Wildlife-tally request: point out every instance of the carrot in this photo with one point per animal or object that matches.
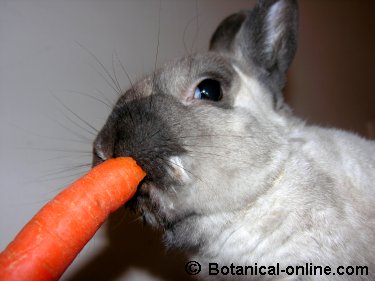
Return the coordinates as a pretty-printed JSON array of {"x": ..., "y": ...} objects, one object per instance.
[{"x": 48, "y": 244}]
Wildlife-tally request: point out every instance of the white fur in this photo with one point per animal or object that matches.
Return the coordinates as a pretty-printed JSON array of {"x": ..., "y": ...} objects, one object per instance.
[
  {"x": 275, "y": 25},
  {"x": 256, "y": 99},
  {"x": 178, "y": 170},
  {"x": 318, "y": 209}
]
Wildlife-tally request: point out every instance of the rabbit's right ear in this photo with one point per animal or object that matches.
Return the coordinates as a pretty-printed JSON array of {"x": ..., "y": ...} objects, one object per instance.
[{"x": 263, "y": 39}]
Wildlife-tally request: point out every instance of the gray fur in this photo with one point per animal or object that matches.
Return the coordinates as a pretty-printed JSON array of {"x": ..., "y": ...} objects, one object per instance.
[{"x": 241, "y": 180}]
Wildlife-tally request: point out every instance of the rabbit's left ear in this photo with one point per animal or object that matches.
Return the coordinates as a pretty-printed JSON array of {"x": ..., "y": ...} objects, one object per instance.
[{"x": 264, "y": 37}]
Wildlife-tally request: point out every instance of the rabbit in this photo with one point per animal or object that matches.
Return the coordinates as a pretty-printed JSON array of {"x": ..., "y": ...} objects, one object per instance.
[{"x": 233, "y": 177}]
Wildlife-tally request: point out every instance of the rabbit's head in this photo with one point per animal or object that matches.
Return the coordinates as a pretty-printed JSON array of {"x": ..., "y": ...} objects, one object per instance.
[{"x": 209, "y": 129}]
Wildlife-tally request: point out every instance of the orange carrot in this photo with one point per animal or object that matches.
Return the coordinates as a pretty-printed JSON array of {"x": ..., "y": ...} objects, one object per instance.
[{"x": 48, "y": 244}]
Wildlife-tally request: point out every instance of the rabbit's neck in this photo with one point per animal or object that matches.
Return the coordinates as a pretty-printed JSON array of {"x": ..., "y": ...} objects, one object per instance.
[{"x": 216, "y": 234}]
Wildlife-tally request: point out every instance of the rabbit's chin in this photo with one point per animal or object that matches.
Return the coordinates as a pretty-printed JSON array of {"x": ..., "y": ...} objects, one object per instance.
[
  {"x": 156, "y": 209},
  {"x": 146, "y": 207},
  {"x": 160, "y": 209}
]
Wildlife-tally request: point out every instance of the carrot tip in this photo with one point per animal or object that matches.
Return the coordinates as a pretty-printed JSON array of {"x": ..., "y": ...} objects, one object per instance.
[{"x": 48, "y": 244}]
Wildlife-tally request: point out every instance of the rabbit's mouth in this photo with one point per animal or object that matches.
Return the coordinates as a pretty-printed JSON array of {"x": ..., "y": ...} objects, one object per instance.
[{"x": 158, "y": 200}]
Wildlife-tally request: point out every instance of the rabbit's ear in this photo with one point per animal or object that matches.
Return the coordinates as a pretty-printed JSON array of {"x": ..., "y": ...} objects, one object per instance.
[{"x": 264, "y": 37}]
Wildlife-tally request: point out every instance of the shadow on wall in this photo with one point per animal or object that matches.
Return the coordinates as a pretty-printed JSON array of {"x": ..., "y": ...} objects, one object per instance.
[{"x": 133, "y": 246}]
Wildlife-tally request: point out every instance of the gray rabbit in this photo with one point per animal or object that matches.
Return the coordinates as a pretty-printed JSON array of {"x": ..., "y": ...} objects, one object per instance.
[{"x": 235, "y": 179}]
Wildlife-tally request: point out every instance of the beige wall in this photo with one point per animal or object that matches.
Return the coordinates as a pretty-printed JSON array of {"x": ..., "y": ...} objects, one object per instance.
[{"x": 332, "y": 80}]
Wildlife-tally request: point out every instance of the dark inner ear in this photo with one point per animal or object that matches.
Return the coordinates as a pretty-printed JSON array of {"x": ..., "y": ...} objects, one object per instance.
[
  {"x": 264, "y": 39},
  {"x": 223, "y": 37}
]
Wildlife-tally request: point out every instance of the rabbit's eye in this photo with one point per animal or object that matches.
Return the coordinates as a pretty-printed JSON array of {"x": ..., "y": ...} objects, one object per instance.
[{"x": 208, "y": 89}]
